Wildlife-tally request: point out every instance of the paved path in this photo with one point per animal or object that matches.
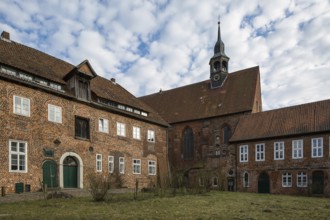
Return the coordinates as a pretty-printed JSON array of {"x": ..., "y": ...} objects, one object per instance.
[{"x": 28, "y": 196}]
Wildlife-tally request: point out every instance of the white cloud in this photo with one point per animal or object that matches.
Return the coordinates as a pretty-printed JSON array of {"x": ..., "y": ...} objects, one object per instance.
[{"x": 147, "y": 45}]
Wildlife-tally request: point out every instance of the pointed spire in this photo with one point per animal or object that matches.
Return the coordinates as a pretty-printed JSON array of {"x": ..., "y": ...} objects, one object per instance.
[{"x": 219, "y": 47}]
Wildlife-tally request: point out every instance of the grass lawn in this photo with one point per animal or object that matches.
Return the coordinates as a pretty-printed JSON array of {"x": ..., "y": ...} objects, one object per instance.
[{"x": 214, "y": 205}]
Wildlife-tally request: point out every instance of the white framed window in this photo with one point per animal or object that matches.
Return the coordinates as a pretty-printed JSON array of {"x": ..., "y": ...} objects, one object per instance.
[
  {"x": 301, "y": 179},
  {"x": 151, "y": 136},
  {"x": 121, "y": 165},
  {"x": 21, "y": 106},
  {"x": 121, "y": 129},
  {"x": 17, "y": 156},
  {"x": 103, "y": 125},
  {"x": 297, "y": 149},
  {"x": 317, "y": 147},
  {"x": 99, "y": 162},
  {"x": 279, "y": 151},
  {"x": 245, "y": 179},
  {"x": 215, "y": 181},
  {"x": 136, "y": 133},
  {"x": 111, "y": 164},
  {"x": 151, "y": 167},
  {"x": 54, "y": 113},
  {"x": 136, "y": 166},
  {"x": 244, "y": 153},
  {"x": 260, "y": 152},
  {"x": 286, "y": 180}
]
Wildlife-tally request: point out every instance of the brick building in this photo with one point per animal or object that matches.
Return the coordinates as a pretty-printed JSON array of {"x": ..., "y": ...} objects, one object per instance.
[
  {"x": 203, "y": 117},
  {"x": 284, "y": 151},
  {"x": 60, "y": 122}
]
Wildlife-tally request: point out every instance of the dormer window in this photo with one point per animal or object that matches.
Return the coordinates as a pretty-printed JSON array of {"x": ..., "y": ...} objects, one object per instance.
[{"x": 82, "y": 91}]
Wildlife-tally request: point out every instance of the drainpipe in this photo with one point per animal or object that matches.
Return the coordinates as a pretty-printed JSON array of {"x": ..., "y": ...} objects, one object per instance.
[{"x": 167, "y": 155}]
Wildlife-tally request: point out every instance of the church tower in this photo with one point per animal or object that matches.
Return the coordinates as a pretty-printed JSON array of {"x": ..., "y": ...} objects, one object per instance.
[{"x": 218, "y": 63}]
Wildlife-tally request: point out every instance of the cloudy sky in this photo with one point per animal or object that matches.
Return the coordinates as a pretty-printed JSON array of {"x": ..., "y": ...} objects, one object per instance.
[{"x": 151, "y": 44}]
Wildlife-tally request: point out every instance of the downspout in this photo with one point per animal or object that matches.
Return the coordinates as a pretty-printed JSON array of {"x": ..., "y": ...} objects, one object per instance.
[{"x": 167, "y": 156}]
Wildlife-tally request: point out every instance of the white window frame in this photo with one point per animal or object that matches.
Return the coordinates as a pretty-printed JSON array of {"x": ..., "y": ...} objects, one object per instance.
[
  {"x": 121, "y": 129},
  {"x": 286, "y": 179},
  {"x": 279, "y": 150},
  {"x": 244, "y": 153},
  {"x": 297, "y": 149},
  {"x": 246, "y": 183},
  {"x": 319, "y": 146},
  {"x": 121, "y": 165},
  {"x": 103, "y": 125},
  {"x": 18, "y": 153},
  {"x": 302, "y": 180},
  {"x": 152, "y": 166},
  {"x": 111, "y": 164},
  {"x": 23, "y": 108},
  {"x": 136, "y": 166},
  {"x": 98, "y": 162},
  {"x": 136, "y": 132},
  {"x": 55, "y": 113},
  {"x": 151, "y": 137},
  {"x": 260, "y": 152}
]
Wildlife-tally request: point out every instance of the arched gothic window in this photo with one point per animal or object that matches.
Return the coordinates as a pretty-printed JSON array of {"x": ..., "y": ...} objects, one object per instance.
[
  {"x": 188, "y": 144},
  {"x": 245, "y": 180},
  {"x": 226, "y": 134}
]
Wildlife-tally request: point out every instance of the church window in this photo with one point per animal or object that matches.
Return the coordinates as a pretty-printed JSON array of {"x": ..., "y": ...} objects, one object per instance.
[
  {"x": 188, "y": 144},
  {"x": 226, "y": 134}
]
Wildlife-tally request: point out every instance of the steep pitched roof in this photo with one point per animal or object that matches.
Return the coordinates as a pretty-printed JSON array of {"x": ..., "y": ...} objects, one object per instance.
[
  {"x": 290, "y": 121},
  {"x": 198, "y": 101},
  {"x": 40, "y": 64}
]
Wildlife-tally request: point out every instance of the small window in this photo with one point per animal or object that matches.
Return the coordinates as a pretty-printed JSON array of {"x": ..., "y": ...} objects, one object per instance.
[
  {"x": 21, "y": 106},
  {"x": 215, "y": 181},
  {"x": 55, "y": 86},
  {"x": 301, "y": 179},
  {"x": 136, "y": 166},
  {"x": 244, "y": 151},
  {"x": 317, "y": 147},
  {"x": 121, "y": 165},
  {"x": 286, "y": 180},
  {"x": 278, "y": 150},
  {"x": 111, "y": 164},
  {"x": 8, "y": 71},
  {"x": 129, "y": 109},
  {"x": 82, "y": 127},
  {"x": 25, "y": 76},
  {"x": 54, "y": 113},
  {"x": 144, "y": 114},
  {"x": 151, "y": 167},
  {"x": 99, "y": 162},
  {"x": 82, "y": 90},
  {"x": 137, "y": 111},
  {"x": 103, "y": 125},
  {"x": 246, "y": 180},
  {"x": 121, "y": 107},
  {"x": 121, "y": 129},
  {"x": 297, "y": 149},
  {"x": 136, "y": 133},
  {"x": 151, "y": 136},
  {"x": 226, "y": 134},
  {"x": 18, "y": 156},
  {"x": 260, "y": 152}
]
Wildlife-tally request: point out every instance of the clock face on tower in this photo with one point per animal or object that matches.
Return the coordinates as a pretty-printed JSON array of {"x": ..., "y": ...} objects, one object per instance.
[{"x": 216, "y": 77}]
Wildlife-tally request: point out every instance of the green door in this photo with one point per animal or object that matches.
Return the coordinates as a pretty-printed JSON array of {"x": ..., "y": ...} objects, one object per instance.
[
  {"x": 318, "y": 182},
  {"x": 70, "y": 173},
  {"x": 49, "y": 173},
  {"x": 263, "y": 183}
]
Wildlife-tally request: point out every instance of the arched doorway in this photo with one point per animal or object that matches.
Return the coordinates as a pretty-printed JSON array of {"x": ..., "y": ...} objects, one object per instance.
[
  {"x": 318, "y": 182},
  {"x": 263, "y": 183},
  {"x": 70, "y": 172},
  {"x": 49, "y": 173}
]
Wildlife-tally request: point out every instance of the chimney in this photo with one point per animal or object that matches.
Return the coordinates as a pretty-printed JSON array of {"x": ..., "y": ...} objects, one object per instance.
[
  {"x": 5, "y": 35},
  {"x": 113, "y": 80}
]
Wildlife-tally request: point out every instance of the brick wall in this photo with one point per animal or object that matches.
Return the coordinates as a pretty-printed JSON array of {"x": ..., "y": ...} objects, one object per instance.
[{"x": 40, "y": 134}]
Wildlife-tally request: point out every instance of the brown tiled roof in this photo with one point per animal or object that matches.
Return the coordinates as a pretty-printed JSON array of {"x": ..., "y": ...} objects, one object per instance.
[
  {"x": 199, "y": 101},
  {"x": 43, "y": 65},
  {"x": 290, "y": 121}
]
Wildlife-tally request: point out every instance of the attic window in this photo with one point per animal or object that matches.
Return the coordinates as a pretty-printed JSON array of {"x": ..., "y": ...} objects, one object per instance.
[
  {"x": 41, "y": 81},
  {"x": 121, "y": 107},
  {"x": 129, "y": 109},
  {"x": 137, "y": 111},
  {"x": 55, "y": 86},
  {"x": 144, "y": 114},
  {"x": 25, "y": 76}
]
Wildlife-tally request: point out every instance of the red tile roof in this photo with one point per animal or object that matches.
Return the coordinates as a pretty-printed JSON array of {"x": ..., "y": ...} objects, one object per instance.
[
  {"x": 199, "y": 101},
  {"x": 40, "y": 64},
  {"x": 290, "y": 121}
]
